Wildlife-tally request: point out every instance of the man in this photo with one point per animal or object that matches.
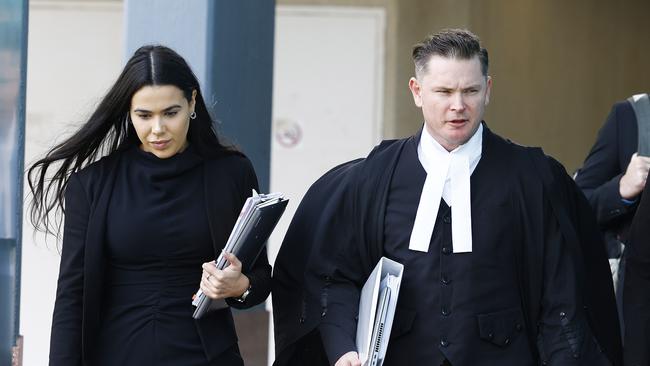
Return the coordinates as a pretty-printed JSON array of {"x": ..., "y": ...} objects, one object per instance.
[
  {"x": 636, "y": 304},
  {"x": 494, "y": 272},
  {"x": 613, "y": 177}
]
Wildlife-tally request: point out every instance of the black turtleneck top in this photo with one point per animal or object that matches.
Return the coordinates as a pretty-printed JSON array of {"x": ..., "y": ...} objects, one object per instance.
[{"x": 157, "y": 237}]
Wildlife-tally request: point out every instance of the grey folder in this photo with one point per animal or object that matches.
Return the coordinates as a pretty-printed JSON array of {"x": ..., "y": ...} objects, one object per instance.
[{"x": 255, "y": 224}]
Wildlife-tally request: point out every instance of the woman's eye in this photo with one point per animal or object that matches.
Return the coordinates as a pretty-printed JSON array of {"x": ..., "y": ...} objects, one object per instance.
[
  {"x": 171, "y": 114},
  {"x": 143, "y": 116}
]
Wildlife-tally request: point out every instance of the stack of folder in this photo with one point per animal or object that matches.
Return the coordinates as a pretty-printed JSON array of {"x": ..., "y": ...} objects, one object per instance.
[{"x": 256, "y": 221}]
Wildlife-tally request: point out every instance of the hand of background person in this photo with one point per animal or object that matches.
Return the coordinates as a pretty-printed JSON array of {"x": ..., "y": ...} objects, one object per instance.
[
  {"x": 221, "y": 284},
  {"x": 349, "y": 359},
  {"x": 635, "y": 176}
]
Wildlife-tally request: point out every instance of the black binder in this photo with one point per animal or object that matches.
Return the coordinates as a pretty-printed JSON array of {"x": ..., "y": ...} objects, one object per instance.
[{"x": 256, "y": 222}]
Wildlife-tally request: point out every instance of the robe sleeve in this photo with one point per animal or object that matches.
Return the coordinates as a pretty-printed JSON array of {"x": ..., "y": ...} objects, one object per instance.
[
  {"x": 341, "y": 281},
  {"x": 338, "y": 268},
  {"x": 564, "y": 334}
]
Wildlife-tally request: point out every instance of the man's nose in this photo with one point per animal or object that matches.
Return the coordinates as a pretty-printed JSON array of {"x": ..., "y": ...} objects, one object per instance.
[{"x": 457, "y": 102}]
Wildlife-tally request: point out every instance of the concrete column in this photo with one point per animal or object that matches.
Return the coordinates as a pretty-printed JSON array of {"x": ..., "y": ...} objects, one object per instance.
[{"x": 229, "y": 45}]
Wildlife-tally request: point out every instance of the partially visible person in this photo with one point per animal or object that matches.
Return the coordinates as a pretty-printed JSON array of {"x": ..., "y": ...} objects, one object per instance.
[
  {"x": 613, "y": 177},
  {"x": 144, "y": 223},
  {"x": 636, "y": 297}
]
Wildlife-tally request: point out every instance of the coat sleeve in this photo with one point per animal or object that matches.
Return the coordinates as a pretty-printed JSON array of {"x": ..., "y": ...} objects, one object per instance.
[
  {"x": 337, "y": 271},
  {"x": 65, "y": 341},
  {"x": 601, "y": 173},
  {"x": 636, "y": 296},
  {"x": 302, "y": 278},
  {"x": 564, "y": 333},
  {"x": 260, "y": 274},
  {"x": 349, "y": 245}
]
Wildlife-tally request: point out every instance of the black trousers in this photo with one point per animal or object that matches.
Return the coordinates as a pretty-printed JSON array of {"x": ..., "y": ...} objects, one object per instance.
[
  {"x": 306, "y": 351},
  {"x": 229, "y": 357}
]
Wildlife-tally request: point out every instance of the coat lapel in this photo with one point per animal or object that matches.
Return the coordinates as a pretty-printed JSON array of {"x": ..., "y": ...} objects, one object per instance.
[{"x": 94, "y": 259}]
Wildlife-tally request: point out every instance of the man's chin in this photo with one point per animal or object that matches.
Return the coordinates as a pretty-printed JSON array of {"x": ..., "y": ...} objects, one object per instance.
[
  {"x": 459, "y": 139},
  {"x": 463, "y": 134}
]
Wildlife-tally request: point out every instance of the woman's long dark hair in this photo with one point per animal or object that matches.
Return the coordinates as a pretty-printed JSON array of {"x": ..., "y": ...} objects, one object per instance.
[{"x": 109, "y": 129}]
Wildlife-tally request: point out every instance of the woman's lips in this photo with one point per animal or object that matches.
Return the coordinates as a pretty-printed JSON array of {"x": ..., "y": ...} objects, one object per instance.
[{"x": 160, "y": 145}]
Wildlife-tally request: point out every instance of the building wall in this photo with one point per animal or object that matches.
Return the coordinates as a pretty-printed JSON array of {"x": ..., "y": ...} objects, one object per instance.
[{"x": 557, "y": 66}]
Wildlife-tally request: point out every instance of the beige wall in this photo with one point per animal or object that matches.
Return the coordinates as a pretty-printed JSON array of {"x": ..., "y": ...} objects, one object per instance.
[{"x": 557, "y": 66}]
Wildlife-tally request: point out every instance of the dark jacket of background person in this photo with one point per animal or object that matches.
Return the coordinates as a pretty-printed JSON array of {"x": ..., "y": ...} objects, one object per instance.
[
  {"x": 77, "y": 314},
  {"x": 636, "y": 297},
  {"x": 602, "y": 170}
]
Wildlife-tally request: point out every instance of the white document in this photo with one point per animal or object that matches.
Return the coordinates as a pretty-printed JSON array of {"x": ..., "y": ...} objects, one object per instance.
[{"x": 368, "y": 309}]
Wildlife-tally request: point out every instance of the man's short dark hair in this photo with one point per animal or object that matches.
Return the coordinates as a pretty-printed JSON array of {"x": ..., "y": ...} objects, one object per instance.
[{"x": 450, "y": 43}]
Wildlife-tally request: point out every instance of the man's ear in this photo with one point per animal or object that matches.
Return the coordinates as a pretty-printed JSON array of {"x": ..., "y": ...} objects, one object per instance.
[
  {"x": 416, "y": 90},
  {"x": 488, "y": 91}
]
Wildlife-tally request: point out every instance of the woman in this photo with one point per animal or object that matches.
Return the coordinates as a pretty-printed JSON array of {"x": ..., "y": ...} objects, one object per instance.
[{"x": 144, "y": 223}]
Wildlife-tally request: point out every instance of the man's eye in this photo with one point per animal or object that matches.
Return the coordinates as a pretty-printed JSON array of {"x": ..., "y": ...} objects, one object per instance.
[
  {"x": 471, "y": 91},
  {"x": 443, "y": 91},
  {"x": 171, "y": 113}
]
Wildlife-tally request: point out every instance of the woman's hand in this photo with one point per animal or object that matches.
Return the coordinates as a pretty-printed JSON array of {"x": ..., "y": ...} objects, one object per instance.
[{"x": 221, "y": 284}]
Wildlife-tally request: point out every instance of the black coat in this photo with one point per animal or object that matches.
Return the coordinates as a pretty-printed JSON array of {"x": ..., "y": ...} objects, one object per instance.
[
  {"x": 76, "y": 319},
  {"x": 636, "y": 297},
  {"x": 603, "y": 168},
  {"x": 336, "y": 238}
]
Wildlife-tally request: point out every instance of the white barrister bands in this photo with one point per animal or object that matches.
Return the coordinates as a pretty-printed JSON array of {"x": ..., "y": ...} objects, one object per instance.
[{"x": 448, "y": 177}]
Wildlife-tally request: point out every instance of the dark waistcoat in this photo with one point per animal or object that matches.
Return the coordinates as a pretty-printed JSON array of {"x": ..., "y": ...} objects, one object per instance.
[{"x": 450, "y": 303}]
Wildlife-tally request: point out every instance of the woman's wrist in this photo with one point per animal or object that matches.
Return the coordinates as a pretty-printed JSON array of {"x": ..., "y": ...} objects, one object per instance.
[{"x": 243, "y": 285}]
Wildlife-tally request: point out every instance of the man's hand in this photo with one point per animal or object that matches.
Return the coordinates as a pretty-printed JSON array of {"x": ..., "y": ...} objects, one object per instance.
[
  {"x": 349, "y": 359},
  {"x": 635, "y": 176},
  {"x": 230, "y": 282}
]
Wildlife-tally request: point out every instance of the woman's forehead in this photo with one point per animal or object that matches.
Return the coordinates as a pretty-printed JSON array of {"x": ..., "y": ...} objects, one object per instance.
[{"x": 157, "y": 97}]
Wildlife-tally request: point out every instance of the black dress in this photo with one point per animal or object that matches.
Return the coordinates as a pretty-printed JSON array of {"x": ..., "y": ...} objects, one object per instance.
[{"x": 157, "y": 237}]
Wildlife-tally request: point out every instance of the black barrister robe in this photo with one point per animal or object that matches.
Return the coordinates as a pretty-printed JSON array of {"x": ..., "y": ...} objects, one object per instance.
[
  {"x": 78, "y": 308},
  {"x": 337, "y": 236}
]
